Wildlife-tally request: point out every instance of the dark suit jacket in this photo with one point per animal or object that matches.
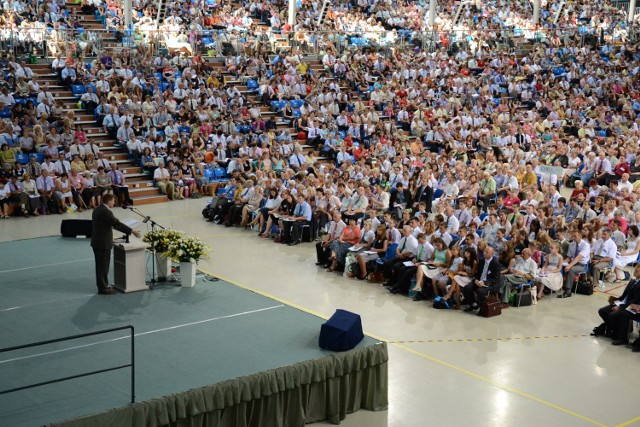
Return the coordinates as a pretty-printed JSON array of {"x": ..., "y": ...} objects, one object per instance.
[
  {"x": 424, "y": 194},
  {"x": 631, "y": 293},
  {"x": 493, "y": 274},
  {"x": 103, "y": 223},
  {"x": 394, "y": 196}
]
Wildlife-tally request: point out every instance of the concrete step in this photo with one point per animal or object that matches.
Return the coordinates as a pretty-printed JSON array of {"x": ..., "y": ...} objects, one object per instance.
[
  {"x": 136, "y": 193},
  {"x": 147, "y": 200}
]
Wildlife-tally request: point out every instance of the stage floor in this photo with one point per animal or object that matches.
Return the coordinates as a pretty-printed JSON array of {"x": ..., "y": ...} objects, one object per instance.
[{"x": 184, "y": 338}]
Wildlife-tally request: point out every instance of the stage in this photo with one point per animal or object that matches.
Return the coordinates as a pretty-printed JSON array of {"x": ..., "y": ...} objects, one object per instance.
[{"x": 215, "y": 354}]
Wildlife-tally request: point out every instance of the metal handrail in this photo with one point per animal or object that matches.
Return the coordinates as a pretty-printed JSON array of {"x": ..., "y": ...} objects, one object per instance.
[{"x": 85, "y": 374}]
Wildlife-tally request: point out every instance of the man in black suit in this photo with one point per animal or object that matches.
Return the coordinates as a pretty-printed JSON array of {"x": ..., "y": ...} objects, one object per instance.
[
  {"x": 620, "y": 311},
  {"x": 487, "y": 280},
  {"x": 103, "y": 223}
]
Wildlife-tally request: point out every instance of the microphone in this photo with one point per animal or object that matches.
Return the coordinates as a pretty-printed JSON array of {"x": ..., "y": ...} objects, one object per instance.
[
  {"x": 146, "y": 219},
  {"x": 127, "y": 207}
]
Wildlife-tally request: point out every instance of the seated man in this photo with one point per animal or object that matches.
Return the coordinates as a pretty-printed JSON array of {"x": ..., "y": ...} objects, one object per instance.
[
  {"x": 521, "y": 270},
  {"x": 407, "y": 249},
  {"x": 578, "y": 255},
  {"x": 620, "y": 311},
  {"x": 335, "y": 230},
  {"x": 302, "y": 215},
  {"x": 407, "y": 272},
  {"x": 487, "y": 280},
  {"x": 603, "y": 253},
  {"x": 162, "y": 178}
]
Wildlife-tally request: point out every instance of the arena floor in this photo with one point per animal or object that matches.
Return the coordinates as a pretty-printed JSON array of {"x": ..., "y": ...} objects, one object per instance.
[{"x": 531, "y": 366}]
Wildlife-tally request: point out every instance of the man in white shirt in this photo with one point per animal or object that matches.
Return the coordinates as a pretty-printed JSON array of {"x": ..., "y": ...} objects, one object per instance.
[
  {"x": 603, "y": 253},
  {"x": 405, "y": 273},
  {"x": 163, "y": 181},
  {"x": 452, "y": 222},
  {"x": 407, "y": 249},
  {"x": 578, "y": 255},
  {"x": 297, "y": 161},
  {"x": 323, "y": 251}
]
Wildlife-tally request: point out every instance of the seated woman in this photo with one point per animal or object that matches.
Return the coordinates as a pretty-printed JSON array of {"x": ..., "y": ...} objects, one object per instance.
[
  {"x": 376, "y": 250},
  {"x": 350, "y": 236},
  {"x": 463, "y": 276},
  {"x": 443, "y": 278},
  {"x": 284, "y": 208},
  {"x": 550, "y": 275},
  {"x": 367, "y": 236},
  {"x": 629, "y": 254},
  {"x": 252, "y": 205},
  {"x": 187, "y": 177},
  {"x": 64, "y": 196},
  {"x": 103, "y": 183},
  {"x": 441, "y": 259},
  {"x": 272, "y": 202}
]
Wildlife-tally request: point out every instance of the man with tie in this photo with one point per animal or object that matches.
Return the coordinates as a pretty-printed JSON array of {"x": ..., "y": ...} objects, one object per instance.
[
  {"x": 104, "y": 222},
  {"x": 620, "y": 312},
  {"x": 401, "y": 280},
  {"x": 488, "y": 278},
  {"x": 603, "y": 168},
  {"x": 335, "y": 229},
  {"x": 407, "y": 249},
  {"x": 578, "y": 255},
  {"x": 603, "y": 253},
  {"x": 120, "y": 189},
  {"x": 301, "y": 216},
  {"x": 297, "y": 160},
  {"x": 68, "y": 76}
]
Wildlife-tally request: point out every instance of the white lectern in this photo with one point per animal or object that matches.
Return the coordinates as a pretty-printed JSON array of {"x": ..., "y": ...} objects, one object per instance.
[{"x": 130, "y": 266}]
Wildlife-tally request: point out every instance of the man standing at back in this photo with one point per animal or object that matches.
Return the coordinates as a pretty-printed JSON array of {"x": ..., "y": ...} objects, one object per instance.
[{"x": 103, "y": 223}]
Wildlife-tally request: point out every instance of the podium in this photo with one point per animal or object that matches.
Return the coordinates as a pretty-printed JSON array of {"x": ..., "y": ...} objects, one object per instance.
[{"x": 130, "y": 266}]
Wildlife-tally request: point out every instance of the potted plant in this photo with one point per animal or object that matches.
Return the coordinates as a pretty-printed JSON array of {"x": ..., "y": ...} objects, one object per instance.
[
  {"x": 160, "y": 240},
  {"x": 187, "y": 251}
]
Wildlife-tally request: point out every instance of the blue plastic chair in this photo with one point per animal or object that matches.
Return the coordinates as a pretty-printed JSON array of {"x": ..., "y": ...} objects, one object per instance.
[
  {"x": 39, "y": 157},
  {"x": 23, "y": 159},
  {"x": 391, "y": 253},
  {"x": 77, "y": 90}
]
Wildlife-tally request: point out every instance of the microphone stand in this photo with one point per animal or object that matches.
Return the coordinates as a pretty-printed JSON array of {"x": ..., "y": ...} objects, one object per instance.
[{"x": 147, "y": 219}]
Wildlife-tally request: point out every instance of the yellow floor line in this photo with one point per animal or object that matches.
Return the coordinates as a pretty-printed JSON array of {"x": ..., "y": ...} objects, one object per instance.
[
  {"x": 502, "y": 386},
  {"x": 423, "y": 355},
  {"x": 628, "y": 423},
  {"x": 486, "y": 339}
]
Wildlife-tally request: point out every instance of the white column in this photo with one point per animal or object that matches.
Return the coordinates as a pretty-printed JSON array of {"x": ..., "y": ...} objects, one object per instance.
[
  {"x": 536, "y": 11},
  {"x": 127, "y": 13},
  {"x": 292, "y": 13},
  {"x": 632, "y": 10},
  {"x": 432, "y": 13}
]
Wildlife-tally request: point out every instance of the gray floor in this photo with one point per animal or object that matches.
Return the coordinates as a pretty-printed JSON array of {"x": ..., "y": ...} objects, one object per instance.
[
  {"x": 185, "y": 338},
  {"x": 529, "y": 367}
]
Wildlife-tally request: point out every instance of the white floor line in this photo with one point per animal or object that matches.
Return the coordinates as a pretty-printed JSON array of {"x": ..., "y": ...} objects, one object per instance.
[
  {"x": 142, "y": 334},
  {"x": 45, "y": 302},
  {"x": 45, "y": 265}
]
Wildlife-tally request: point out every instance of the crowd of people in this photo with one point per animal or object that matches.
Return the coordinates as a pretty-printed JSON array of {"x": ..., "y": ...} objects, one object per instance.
[{"x": 449, "y": 167}]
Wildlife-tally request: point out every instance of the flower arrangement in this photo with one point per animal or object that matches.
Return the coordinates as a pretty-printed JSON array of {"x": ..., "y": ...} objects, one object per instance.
[
  {"x": 187, "y": 249},
  {"x": 161, "y": 239}
]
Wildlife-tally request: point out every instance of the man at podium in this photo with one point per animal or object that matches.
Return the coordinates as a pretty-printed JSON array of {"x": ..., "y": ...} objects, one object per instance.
[{"x": 103, "y": 223}]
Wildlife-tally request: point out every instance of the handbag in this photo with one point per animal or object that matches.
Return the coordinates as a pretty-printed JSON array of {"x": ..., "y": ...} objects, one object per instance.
[
  {"x": 522, "y": 298},
  {"x": 376, "y": 277},
  {"x": 491, "y": 307}
]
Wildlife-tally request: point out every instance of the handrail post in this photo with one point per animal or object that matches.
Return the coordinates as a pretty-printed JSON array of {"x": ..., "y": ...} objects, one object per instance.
[{"x": 133, "y": 365}]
